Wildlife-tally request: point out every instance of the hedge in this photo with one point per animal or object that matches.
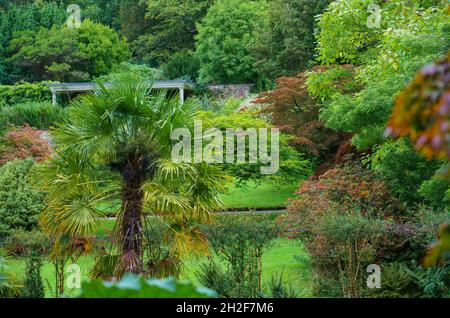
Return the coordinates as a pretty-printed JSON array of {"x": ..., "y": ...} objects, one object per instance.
[{"x": 24, "y": 92}]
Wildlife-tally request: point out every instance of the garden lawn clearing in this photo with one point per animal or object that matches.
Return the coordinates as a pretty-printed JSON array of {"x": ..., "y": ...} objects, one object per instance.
[
  {"x": 284, "y": 256},
  {"x": 266, "y": 195}
]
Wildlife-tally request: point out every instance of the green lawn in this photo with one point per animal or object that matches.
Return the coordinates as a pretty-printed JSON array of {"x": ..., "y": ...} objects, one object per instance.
[
  {"x": 266, "y": 195},
  {"x": 260, "y": 196},
  {"x": 286, "y": 256}
]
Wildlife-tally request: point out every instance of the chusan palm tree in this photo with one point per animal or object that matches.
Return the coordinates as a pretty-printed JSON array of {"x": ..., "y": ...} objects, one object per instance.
[{"x": 115, "y": 145}]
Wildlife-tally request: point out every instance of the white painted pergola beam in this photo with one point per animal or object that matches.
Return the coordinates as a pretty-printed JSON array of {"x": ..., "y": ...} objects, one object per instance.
[{"x": 90, "y": 86}]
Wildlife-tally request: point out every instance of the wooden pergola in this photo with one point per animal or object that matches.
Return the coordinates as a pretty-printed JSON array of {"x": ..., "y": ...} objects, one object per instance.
[{"x": 56, "y": 89}]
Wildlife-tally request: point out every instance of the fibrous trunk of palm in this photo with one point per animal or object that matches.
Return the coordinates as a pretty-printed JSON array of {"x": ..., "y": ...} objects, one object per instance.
[{"x": 131, "y": 227}]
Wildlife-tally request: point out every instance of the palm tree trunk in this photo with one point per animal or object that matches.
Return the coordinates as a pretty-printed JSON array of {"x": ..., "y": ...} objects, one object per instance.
[{"x": 131, "y": 229}]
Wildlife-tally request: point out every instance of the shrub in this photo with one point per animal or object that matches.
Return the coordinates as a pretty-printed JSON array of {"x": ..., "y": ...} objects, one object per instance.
[
  {"x": 403, "y": 169},
  {"x": 396, "y": 282},
  {"x": 40, "y": 115},
  {"x": 239, "y": 241},
  {"x": 33, "y": 283},
  {"x": 21, "y": 203},
  {"x": 22, "y": 143},
  {"x": 344, "y": 245},
  {"x": 278, "y": 289},
  {"x": 344, "y": 188},
  {"x": 20, "y": 241},
  {"x": 433, "y": 282},
  {"x": 293, "y": 165},
  {"x": 351, "y": 220},
  {"x": 412, "y": 280},
  {"x": 436, "y": 192},
  {"x": 212, "y": 275},
  {"x": 23, "y": 93}
]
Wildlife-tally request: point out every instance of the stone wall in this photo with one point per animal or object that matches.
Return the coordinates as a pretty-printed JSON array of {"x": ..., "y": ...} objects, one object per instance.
[{"x": 235, "y": 90}]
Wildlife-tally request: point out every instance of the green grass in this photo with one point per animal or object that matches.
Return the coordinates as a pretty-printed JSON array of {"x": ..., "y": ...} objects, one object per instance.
[
  {"x": 284, "y": 256},
  {"x": 259, "y": 196},
  {"x": 266, "y": 195}
]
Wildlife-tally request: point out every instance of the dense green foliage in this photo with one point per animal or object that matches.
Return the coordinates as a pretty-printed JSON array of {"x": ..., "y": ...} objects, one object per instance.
[
  {"x": 404, "y": 170},
  {"x": 34, "y": 288},
  {"x": 23, "y": 93},
  {"x": 31, "y": 17},
  {"x": 350, "y": 220},
  {"x": 182, "y": 65},
  {"x": 388, "y": 61},
  {"x": 285, "y": 46},
  {"x": 65, "y": 54},
  {"x": 334, "y": 75},
  {"x": 21, "y": 203},
  {"x": 224, "y": 39},
  {"x": 40, "y": 115},
  {"x": 293, "y": 165},
  {"x": 171, "y": 28}
]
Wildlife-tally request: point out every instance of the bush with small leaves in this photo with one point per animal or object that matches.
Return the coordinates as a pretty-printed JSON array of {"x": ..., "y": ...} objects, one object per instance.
[{"x": 21, "y": 203}]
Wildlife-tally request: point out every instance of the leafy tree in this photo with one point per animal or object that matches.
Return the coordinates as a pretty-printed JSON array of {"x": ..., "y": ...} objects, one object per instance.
[
  {"x": 421, "y": 113},
  {"x": 285, "y": 46},
  {"x": 23, "y": 17},
  {"x": 425, "y": 100},
  {"x": 224, "y": 39},
  {"x": 21, "y": 203},
  {"x": 386, "y": 71},
  {"x": 344, "y": 34},
  {"x": 171, "y": 27},
  {"x": 116, "y": 144},
  {"x": 106, "y": 12},
  {"x": 294, "y": 111},
  {"x": 183, "y": 64},
  {"x": 69, "y": 54},
  {"x": 293, "y": 164}
]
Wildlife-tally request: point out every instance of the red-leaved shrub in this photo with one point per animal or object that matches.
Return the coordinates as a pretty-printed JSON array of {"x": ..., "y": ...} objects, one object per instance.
[
  {"x": 295, "y": 112},
  {"x": 24, "y": 142}
]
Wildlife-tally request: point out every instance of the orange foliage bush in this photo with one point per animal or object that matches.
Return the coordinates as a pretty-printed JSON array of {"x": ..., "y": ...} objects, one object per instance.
[
  {"x": 22, "y": 143},
  {"x": 341, "y": 189}
]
